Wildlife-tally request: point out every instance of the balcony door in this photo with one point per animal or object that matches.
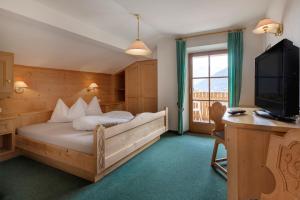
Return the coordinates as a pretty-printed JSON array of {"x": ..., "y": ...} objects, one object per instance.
[{"x": 208, "y": 83}]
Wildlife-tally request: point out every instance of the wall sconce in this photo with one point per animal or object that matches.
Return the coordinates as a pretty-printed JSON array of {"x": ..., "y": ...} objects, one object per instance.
[
  {"x": 20, "y": 87},
  {"x": 268, "y": 26},
  {"x": 92, "y": 87}
]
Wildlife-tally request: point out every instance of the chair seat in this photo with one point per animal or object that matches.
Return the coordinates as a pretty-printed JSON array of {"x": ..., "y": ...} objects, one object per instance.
[{"x": 219, "y": 134}]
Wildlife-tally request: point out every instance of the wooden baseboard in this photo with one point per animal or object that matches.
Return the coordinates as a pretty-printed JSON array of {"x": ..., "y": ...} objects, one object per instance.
[{"x": 10, "y": 155}]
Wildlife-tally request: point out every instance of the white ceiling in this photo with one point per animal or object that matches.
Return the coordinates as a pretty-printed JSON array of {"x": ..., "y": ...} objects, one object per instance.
[
  {"x": 106, "y": 15},
  {"x": 91, "y": 35},
  {"x": 190, "y": 16},
  {"x": 35, "y": 44}
]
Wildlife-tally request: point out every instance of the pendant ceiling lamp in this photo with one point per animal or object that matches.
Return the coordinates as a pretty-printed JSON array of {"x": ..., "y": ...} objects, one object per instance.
[{"x": 138, "y": 47}]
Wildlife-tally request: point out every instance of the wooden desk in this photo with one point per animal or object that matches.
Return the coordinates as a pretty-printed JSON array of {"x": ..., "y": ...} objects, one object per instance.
[{"x": 247, "y": 140}]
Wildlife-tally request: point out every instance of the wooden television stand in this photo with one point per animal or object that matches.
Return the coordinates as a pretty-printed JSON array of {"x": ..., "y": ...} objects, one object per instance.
[{"x": 247, "y": 141}]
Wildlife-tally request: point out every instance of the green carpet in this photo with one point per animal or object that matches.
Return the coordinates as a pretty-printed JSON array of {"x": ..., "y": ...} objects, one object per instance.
[{"x": 174, "y": 168}]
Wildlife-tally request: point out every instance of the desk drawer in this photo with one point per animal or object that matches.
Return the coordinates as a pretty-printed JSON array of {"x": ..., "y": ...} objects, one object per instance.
[{"x": 6, "y": 126}]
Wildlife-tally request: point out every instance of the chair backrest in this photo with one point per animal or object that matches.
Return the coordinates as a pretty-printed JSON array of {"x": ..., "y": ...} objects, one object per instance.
[
  {"x": 216, "y": 112},
  {"x": 284, "y": 163}
]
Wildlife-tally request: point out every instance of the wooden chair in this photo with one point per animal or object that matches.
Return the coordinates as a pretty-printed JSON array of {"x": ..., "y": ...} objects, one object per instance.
[
  {"x": 217, "y": 111},
  {"x": 284, "y": 162}
]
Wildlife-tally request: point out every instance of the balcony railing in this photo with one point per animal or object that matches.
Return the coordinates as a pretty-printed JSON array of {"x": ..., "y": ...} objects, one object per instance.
[{"x": 201, "y": 104}]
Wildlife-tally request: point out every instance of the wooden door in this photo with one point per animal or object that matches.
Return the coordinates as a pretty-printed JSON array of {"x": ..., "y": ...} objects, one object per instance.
[
  {"x": 132, "y": 88},
  {"x": 148, "y": 86},
  {"x": 208, "y": 83},
  {"x": 6, "y": 74}
]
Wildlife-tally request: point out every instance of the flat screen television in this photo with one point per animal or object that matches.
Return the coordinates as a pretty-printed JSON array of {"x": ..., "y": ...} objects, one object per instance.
[{"x": 277, "y": 80}]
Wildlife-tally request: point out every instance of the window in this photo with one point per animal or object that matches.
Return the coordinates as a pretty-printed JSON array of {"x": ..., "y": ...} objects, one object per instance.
[{"x": 208, "y": 82}]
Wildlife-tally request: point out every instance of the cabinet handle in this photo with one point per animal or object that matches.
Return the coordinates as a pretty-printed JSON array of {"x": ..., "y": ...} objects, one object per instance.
[{"x": 8, "y": 81}]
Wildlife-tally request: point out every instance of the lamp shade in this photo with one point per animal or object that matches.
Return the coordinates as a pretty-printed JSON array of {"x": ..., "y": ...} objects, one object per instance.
[
  {"x": 138, "y": 48},
  {"x": 93, "y": 85},
  {"x": 20, "y": 84},
  {"x": 267, "y": 26}
]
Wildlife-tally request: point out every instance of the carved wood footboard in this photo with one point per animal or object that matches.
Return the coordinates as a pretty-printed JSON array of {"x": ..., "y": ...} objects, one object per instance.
[{"x": 117, "y": 144}]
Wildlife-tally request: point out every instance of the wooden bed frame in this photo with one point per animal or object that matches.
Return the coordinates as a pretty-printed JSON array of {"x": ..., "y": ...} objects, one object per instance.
[{"x": 113, "y": 146}]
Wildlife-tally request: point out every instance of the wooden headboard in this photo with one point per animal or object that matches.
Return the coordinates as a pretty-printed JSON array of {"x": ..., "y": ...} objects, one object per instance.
[
  {"x": 46, "y": 86},
  {"x": 29, "y": 118}
]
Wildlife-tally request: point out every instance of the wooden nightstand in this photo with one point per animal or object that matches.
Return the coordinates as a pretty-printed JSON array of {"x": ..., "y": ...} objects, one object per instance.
[{"x": 7, "y": 137}]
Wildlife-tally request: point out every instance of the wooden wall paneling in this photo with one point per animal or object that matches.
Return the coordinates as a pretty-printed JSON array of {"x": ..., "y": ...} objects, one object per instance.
[
  {"x": 119, "y": 86},
  {"x": 6, "y": 74},
  {"x": 47, "y": 85},
  {"x": 114, "y": 106}
]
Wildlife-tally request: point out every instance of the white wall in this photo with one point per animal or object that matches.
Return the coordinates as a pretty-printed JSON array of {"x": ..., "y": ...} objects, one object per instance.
[
  {"x": 167, "y": 70},
  {"x": 253, "y": 46},
  {"x": 287, "y": 12},
  {"x": 167, "y": 78}
]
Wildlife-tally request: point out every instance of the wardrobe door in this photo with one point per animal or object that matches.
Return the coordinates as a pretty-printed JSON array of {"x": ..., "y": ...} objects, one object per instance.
[
  {"x": 132, "y": 88},
  {"x": 6, "y": 74},
  {"x": 148, "y": 86}
]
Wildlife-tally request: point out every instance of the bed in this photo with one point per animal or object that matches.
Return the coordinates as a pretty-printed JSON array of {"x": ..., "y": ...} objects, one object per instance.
[{"x": 87, "y": 154}]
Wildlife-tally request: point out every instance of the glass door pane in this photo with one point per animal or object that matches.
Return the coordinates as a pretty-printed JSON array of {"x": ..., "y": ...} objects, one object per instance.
[
  {"x": 219, "y": 89},
  {"x": 200, "y": 66},
  {"x": 201, "y": 111},
  {"x": 219, "y": 65},
  {"x": 201, "y": 89}
]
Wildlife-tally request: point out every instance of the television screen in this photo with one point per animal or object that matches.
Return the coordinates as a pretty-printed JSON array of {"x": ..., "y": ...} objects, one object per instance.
[
  {"x": 277, "y": 80},
  {"x": 269, "y": 78}
]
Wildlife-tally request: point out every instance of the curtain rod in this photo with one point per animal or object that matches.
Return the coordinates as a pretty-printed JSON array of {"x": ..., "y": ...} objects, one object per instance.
[{"x": 211, "y": 33}]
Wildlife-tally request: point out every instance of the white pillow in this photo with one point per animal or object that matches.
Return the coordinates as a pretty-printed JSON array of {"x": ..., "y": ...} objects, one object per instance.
[
  {"x": 77, "y": 110},
  {"x": 89, "y": 123},
  {"x": 119, "y": 115},
  {"x": 83, "y": 103},
  {"x": 93, "y": 108},
  {"x": 60, "y": 113}
]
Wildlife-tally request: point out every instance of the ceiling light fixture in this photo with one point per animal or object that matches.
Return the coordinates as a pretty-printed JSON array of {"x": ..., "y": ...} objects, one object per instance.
[
  {"x": 268, "y": 26},
  {"x": 138, "y": 47}
]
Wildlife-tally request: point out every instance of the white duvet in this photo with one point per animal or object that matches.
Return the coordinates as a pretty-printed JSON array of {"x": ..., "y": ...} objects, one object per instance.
[{"x": 89, "y": 123}]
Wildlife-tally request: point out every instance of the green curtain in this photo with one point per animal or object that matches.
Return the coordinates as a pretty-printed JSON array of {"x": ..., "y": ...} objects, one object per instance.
[
  {"x": 181, "y": 72},
  {"x": 235, "y": 63}
]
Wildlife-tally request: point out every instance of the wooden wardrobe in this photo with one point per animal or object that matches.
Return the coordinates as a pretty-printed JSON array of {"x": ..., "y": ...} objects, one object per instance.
[
  {"x": 141, "y": 87},
  {"x": 6, "y": 74}
]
